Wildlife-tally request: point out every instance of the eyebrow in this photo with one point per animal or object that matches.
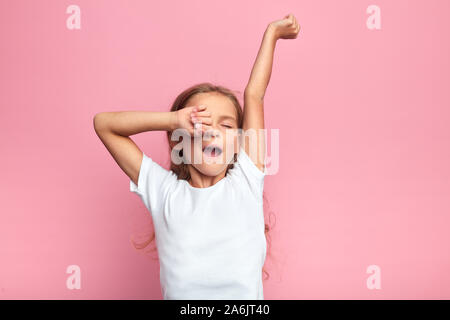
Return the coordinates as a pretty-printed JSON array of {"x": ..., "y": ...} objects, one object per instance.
[{"x": 227, "y": 117}]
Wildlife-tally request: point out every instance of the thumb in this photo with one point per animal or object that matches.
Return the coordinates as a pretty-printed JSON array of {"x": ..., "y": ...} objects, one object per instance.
[{"x": 288, "y": 19}]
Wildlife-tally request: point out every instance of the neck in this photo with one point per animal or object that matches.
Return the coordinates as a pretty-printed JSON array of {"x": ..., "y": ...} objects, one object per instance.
[{"x": 200, "y": 180}]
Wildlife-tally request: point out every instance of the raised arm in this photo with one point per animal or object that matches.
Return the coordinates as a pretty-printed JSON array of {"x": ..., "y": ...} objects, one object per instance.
[
  {"x": 114, "y": 129},
  {"x": 255, "y": 90}
]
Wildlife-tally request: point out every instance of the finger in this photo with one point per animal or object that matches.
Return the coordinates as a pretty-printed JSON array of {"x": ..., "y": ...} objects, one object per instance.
[
  {"x": 207, "y": 119},
  {"x": 203, "y": 120},
  {"x": 201, "y": 129},
  {"x": 206, "y": 128},
  {"x": 197, "y": 108},
  {"x": 291, "y": 18},
  {"x": 196, "y": 124},
  {"x": 197, "y": 129},
  {"x": 295, "y": 24},
  {"x": 201, "y": 113}
]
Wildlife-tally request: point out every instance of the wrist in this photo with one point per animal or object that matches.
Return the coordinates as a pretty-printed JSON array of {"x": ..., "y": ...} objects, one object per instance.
[
  {"x": 271, "y": 32},
  {"x": 173, "y": 123}
]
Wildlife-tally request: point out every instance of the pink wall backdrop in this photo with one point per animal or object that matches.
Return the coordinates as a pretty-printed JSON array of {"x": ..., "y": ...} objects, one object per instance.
[{"x": 364, "y": 141}]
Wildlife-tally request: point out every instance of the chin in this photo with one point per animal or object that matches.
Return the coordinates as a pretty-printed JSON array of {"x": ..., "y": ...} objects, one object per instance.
[{"x": 211, "y": 170}]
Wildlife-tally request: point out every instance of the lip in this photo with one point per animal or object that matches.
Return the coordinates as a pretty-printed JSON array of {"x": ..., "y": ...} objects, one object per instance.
[{"x": 210, "y": 146}]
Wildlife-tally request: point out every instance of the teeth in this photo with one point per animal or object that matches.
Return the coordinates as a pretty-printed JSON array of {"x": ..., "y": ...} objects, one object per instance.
[{"x": 217, "y": 150}]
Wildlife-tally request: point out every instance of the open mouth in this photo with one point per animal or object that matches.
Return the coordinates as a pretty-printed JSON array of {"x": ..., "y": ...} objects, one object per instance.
[{"x": 212, "y": 150}]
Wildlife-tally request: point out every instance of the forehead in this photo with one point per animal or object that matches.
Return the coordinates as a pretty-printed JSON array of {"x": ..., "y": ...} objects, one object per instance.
[{"x": 218, "y": 104}]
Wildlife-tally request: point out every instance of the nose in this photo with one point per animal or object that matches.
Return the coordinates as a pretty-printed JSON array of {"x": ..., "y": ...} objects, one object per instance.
[{"x": 212, "y": 133}]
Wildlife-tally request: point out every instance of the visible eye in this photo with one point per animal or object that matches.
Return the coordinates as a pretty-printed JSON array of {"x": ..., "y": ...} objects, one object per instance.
[{"x": 227, "y": 126}]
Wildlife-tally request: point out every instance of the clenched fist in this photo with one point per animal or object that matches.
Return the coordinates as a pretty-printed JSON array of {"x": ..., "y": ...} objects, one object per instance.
[{"x": 286, "y": 28}]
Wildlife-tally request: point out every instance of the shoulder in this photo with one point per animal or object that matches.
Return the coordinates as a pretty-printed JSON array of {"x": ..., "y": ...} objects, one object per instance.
[
  {"x": 246, "y": 164},
  {"x": 154, "y": 183},
  {"x": 246, "y": 176}
]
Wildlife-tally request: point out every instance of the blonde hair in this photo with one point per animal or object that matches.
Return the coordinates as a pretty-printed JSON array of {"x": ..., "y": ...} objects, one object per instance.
[{"x": 181, "y": 170}]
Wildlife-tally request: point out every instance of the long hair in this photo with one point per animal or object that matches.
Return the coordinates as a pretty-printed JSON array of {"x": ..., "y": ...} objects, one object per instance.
[{"x": 181, "y": 170}]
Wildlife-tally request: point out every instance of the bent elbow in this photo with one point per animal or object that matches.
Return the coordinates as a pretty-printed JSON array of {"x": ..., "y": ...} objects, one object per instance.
[{"x": 99, "y": 121}]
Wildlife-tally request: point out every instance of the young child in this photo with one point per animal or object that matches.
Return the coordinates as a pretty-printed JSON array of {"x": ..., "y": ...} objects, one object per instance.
[{"x": 208, "y": 208}]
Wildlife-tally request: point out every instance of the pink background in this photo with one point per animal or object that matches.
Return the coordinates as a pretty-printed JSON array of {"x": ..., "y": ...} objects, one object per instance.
[{"x": 364, "y": 141}]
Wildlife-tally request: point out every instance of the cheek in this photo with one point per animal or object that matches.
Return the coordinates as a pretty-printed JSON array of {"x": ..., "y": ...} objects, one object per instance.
[
  {"x": 196, "y": 143},
  {"x": 195, "y": 155},
  {"x": 231, "y": 144},
  {"x": 230, "y": 136},
  {"x": 235, "y": 139}
]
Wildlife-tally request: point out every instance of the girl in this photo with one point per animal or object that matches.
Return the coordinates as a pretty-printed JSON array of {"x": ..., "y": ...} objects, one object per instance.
[{"x": 207, "y": 209}]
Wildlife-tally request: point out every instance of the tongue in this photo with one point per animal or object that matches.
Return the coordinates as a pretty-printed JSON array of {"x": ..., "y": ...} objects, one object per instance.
[{"x": 211, "y": 152}]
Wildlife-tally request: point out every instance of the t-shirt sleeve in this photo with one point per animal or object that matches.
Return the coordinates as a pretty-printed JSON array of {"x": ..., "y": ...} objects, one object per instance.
[
  {"x": 253, "y": 176},
  {"x": 153, "y": 185}
]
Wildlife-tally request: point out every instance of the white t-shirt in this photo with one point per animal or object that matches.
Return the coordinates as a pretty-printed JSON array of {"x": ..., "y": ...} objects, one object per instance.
[{"x": 210, "y": 241}]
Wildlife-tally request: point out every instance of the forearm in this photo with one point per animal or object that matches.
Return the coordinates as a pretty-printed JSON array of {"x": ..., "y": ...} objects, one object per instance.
[
  {"x": 127, "y": 123},
  {"x": 262, "y": 68}
]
